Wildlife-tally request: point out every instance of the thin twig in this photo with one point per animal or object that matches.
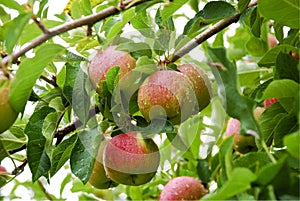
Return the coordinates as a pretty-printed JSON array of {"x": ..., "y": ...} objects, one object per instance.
[
  {"x": 203, "y": 36},
  {"x": 20, "y": 168},
  {"x": 91, "y": 19},
  {"x": 49, "y": 197},
  {"x": 39, "y": 24},
  {"x": 49, "y": 81},
  {"x": 18, "y": 149}
]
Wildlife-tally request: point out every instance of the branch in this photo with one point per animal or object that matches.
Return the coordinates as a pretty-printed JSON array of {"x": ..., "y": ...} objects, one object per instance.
[
  {"x": 91, "y": 19},
  {"x": 62, "y": 132},
  {"x": 214, "y": 29},
  {"x": 17, "y": 150}
]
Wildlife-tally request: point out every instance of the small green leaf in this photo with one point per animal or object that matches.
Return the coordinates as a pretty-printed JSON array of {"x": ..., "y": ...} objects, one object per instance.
[
  {"x": 171, "y": 8},
  {"x": 136, "y": 193},
  {"x": 83, "y": 154},
  {"x": 203, "y": 171},
  {"x": 112, "y": 78},
  {"x": 292, "y": 143},
  {"x": 253, "y": 160},
  {"x": 256, "y": 47},
  {"x": 216, "y": 10},
  {"x": 136, "y": 49},
  {"x": 243, "y": 4},
  {"x": 13, "y": 5},
  {"x": 239, "y": 181},
  {"x": 62, "y": 153},
  {"x": 12, "y": 30},
  {"x": 225, "y": 155},
  {"x": 29, "y": 71},
  {"x": 38, "y": 160},
  {"x": 285, "y": 126},
  {"x": 71, "y": 71},
  {"x": 269, "y": 59},
  {"x": 284, "y": 88},
  {"x": 286, "y": 67},
  {"x": 80, "y": 98},
  {"x": 275, "y": 10}
]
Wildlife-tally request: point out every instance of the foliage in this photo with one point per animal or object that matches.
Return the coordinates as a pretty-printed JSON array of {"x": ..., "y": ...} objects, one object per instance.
[{"x": 63, "y": 130}]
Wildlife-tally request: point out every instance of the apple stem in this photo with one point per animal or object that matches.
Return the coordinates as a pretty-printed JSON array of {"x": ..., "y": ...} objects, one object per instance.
[{"x": 265, "y": 147}]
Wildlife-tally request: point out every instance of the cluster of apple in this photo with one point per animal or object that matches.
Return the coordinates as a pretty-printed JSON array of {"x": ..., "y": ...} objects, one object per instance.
[{"x": 130, "y": 158}]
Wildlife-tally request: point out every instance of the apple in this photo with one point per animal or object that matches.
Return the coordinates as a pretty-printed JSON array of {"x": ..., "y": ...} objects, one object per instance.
[
  {"x": 201, "y": 83},
  {"x": 131, "y": 159},
  {"x": 2, "y": 170},
  {"x": 242, "y": 143},
  {"x": 272, "y": 40},
  {"x": 183, "y": 188},
  {"x": 179, "y": 94},
  {"x": 7, "y": 114},
  {"x": 269, "y": 102},
  {"x": 105, "y": 60},
  {"x": 98, "y": 178}
]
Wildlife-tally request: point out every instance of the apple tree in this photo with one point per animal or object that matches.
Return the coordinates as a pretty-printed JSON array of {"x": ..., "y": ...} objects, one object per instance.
[{"x": 150, "y": 100}]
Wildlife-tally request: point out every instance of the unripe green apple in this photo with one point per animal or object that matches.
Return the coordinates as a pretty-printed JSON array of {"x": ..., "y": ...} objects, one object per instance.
[
  {"x": 98, "y": 178},
  {"x": 131, "y": 159},
  {"x": 177, "y": 93},
  {"x": 182, "y": 188},
  {"x": 242, "y": 143},
  {"x": 7, "y": 114},
  {"x": 201, "y": 83},
  {"x": 105, "y": 60}
]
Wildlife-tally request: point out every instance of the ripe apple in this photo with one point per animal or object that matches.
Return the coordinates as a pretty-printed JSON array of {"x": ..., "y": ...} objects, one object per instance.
[
  {"x": 201, "y": 83},
  {"x": 7, "y": 114},
  {"x": 131, "y": 159},
  {"x": 180, "y": 94},
  {"x": 183, "y": 188},
  {"x": 272, "y": 40},
  {"x": 98, "y": 178},
  {"x": 269, "y": 102},
  {"x": 105, "y": 60},
  {"x": 242, "y": 143}
]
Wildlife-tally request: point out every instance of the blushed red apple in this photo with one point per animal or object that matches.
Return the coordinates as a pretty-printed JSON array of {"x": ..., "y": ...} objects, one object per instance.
[
  {"x": 183, "y": 188},
  {"x": 272, "y": 40},
  {"x": 106, "y": 59},
  {"x": 269, "y": 102},
  {"x": 179, "y": 94},
  {"x": 131, "y": 159},
  {"x": 2, "y": 170},
  {"x": 7, "y": 114}
]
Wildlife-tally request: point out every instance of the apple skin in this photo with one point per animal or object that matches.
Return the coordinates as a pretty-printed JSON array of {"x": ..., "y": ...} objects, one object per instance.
[
  {"x": 269, "y": 102},
  {"x": 105, "y": 60},
  {"x": 98, "y": 178},
  {"x": 272, "y": 40},
  {"x": 130, "y": 159},
  {"x": 7, "y": 114},
  {"x": 242, "y": 143},
  {"x": 201, "y": 83},
  {"x": 172, "y": 91},
  {"x": 183, "y": 188}
]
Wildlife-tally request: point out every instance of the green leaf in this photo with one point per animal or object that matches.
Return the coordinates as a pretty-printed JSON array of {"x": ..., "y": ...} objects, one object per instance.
[
  {"x": 216, "y": 10},
  {"x": 112, "y": 78},
  {"x": 225, "y": 155},
  {"x": 269, "y": 172},
  {"x": 275, "y": 10},
  {"x": 142, "y": 22},
  {"x": 29, "y": 71},
  {"x": 292, "y": 143},
  {"x": 69, "y": 81},
  {"x": 194, "y": 4},
  {"x": 62, "y": 153},
  {"x": 12, "y": 30},
  {"x": 285, "y": 126},
  {"x": 3, "y": 151},
  {"x": 171, "y": 8},
  {"x": 269, "y": 119},
  {"x": 38, "y": 160},
  {"x": 136, "y": 49},
  {"x": 284, "y": 88},
  {"x": 13, "y": 5},
  {"x": 81, "y": 100},
  {"x": 80, "y": 8},
  {"x": 253, "y": 160},
  {"x": 118, "y": 26},
  {"x": 243, "y": 4},
  {"x": 269, "y": 59},
  {"x": 203, "y": 171},
  {"x": 286, "y": 67},
  {"x": 83, "y": 154},
  {"x": 256, "y": 47},
  {"x": 236, "y": 105},
  {"x": 239, "y": 181},
  {"x": 13, "y": 139},
  {"x": 136, "y": 193}
]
